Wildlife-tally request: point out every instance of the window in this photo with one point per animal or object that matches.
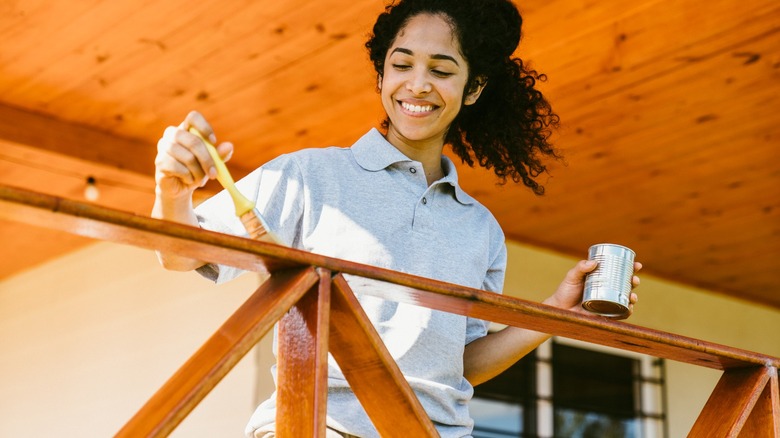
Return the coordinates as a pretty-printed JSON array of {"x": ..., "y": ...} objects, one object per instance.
[{"x": 567, "y": 389}]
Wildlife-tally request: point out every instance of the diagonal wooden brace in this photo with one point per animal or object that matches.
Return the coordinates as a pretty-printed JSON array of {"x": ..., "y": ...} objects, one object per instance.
[
  {"x": 743, "y": 404},
  {"x": 371, "y": 371},
  {"x": 764, "y": 420},
  {"x": 201, "y": 373}
]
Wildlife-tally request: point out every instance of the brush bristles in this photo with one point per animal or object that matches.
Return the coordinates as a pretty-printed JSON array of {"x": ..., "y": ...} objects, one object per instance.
[{"x": 255, "y": 227}]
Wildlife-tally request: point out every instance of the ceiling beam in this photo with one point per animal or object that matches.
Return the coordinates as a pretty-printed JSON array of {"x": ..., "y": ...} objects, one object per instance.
[
  {"x": 55, "y": 157},
  {"x": 48, "y": 134}
]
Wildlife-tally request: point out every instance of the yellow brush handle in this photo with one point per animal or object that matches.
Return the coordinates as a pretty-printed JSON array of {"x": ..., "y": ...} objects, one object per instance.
[{"x": 243, "y": 205}]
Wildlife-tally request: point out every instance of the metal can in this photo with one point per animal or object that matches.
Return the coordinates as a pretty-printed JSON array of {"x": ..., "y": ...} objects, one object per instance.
[{"x": 608, "y": 287}]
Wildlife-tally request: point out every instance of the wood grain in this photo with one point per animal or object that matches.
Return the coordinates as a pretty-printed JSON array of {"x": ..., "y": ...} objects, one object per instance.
[
  {"x": 108, "y": 224},
  {"x": 372, "y": 373},
  {"x": 302, "y": 364},
  {"x": 201, "y": 373},
  {"x": 746, "y": 396},
  {"x": 732, "y": 403}
]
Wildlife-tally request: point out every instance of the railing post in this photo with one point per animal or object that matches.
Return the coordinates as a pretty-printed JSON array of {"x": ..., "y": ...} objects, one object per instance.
[{"x": 302, "y": 364}]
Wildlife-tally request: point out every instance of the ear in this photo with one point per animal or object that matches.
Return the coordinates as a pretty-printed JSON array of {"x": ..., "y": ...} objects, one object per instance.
[
  {"x": 476, "y": 90},
  {"x": 379, "y": 82}
]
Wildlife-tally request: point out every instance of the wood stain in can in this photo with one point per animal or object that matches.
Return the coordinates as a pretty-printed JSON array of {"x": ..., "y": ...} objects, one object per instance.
[{"x": 608, "y": 287}]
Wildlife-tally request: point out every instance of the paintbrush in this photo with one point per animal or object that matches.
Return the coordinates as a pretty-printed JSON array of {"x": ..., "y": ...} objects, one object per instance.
[{"x": 245, "y": 209}]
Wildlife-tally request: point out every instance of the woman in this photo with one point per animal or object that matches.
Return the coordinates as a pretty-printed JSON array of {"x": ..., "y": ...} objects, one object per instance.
[{"x": 446, "y": 75}]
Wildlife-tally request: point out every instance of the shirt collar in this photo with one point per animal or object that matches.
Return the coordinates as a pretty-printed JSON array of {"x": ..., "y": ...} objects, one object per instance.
[{"x": 374, "y": 153}]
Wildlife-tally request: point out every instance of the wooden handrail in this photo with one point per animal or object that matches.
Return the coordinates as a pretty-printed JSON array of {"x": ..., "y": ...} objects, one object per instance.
[{"x": 759, "y": 411}]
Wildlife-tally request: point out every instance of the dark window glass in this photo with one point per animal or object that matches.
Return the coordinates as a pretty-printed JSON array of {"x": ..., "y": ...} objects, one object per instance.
[
  {"x": 506, "y": 405},
  {"x": 594, "y": 395}
]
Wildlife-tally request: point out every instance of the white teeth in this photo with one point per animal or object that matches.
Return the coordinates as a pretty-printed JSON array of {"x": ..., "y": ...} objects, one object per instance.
[{"x": 416, "y": 108}]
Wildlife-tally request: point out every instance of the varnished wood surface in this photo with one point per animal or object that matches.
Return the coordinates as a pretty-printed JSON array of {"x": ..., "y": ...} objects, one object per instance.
[
  {"x": 329, "y": 317},
  {"x": 371, "y": 372},
  {"x": 764, "y": 420},
  {"x": 198, "y": 376},
  {"x": 670, "y": 128},
  {"x": 302, "y": 364},
  {"x": 112, "y": 225},
  {"x": 739, "y": 405}
]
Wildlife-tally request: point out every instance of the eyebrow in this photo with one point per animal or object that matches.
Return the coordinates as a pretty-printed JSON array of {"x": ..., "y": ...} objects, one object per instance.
[{"x": 434, "y": 56}]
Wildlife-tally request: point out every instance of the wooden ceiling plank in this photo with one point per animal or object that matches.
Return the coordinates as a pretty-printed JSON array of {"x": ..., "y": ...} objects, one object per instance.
[
  {"x": 648, "y": 190},
  {"x": 80, "y": 34},
  {"x": 339, "y": 123},
  {"x": 307, "y": 29},
  {"x": 629, "y": 44},
  {"x": 612, "y": 142},
  {"x": 162, "y": 52},
  {"x": 710, "y": 79},
  {"x": 200, "y": 59},
  {"x": 30, "y": 24},
  {"x": 284, "y": 93}
]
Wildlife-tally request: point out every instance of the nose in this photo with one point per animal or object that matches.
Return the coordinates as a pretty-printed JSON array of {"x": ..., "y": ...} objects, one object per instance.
[{"x": 419, "y": 83}]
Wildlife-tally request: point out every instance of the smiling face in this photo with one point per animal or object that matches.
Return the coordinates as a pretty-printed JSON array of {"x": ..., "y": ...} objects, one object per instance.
[{"x": 423, "y": 83}]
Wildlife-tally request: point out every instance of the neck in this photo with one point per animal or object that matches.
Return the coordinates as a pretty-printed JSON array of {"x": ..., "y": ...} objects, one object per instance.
[{"x": 426, "y": 152}]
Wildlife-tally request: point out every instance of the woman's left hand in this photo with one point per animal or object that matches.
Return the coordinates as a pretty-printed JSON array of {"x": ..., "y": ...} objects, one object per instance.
[{"x": 569, "y": 293}]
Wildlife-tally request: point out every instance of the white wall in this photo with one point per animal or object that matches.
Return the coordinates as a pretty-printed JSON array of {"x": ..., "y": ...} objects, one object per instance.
[{"x": 88, "y": 338}]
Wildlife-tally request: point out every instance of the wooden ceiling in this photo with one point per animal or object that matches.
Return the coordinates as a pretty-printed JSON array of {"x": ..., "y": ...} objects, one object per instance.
[{"x": 670, "y": 116}]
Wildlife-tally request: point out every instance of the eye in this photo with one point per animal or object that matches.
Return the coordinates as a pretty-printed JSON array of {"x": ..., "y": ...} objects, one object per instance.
[
  {"x": 441, "y": 74},
  {"x": 401, "y": 67}
]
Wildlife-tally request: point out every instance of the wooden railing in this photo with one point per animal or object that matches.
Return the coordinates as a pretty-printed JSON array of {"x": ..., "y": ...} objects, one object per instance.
[{"x": 318, "y": 313}]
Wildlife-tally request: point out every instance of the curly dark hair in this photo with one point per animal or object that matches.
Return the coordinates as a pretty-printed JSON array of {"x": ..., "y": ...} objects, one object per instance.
[{"x": 509, "y": 127}]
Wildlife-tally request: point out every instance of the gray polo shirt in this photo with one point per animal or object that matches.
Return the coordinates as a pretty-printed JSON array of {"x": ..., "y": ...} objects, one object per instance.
[{"x": 371, "y": 204}]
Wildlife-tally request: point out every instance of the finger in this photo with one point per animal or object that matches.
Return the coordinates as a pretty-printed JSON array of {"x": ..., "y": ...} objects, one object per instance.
[
  {"x": 197, "y": 148},
  {"x": 176, "y": 171},
  {"x": 225, "y": 151},
  {"x": 637, "y": 266},
  {"x": 586, "y": 266},
  {"x": 192, "y": 164},
  {"x": 197, "y": 121},
  {"x": 633, "y": 298},
  {"x": 166, "y": 162},
  {"x": 177, "y": 162},
  {"x": 576, "y": 275},
  {"x": 635, "y": 281},
  {"x": 168, "y": 138}
]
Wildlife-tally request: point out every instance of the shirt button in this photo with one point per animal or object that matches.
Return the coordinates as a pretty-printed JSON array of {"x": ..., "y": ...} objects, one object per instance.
[
  {"x": 413, "y": 170},
  {"x": 425, "y": 200}
]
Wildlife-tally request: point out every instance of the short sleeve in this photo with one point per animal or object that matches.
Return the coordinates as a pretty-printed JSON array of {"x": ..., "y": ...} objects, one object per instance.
[
  {"x": 277, "y": 190},
  {"x": 494, "y": 282}
]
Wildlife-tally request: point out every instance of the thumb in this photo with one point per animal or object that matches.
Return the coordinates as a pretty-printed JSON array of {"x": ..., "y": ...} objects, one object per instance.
[{"x": 577, "y": 274}]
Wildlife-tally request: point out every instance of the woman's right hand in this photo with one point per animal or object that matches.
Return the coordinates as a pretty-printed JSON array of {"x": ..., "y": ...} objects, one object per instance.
[{"x": 183, "y": 163}]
